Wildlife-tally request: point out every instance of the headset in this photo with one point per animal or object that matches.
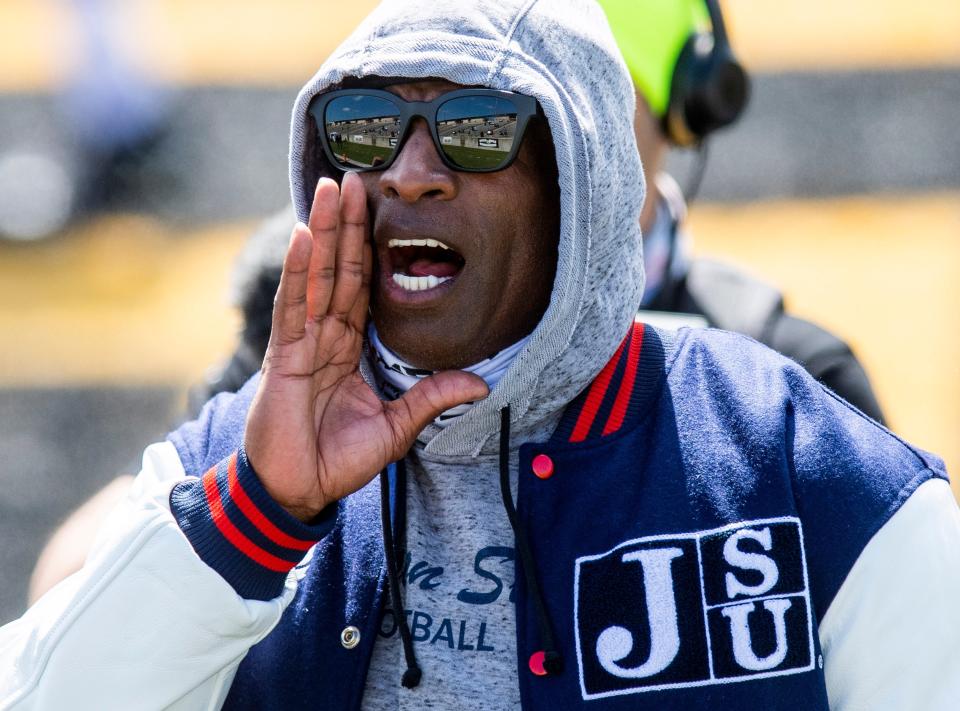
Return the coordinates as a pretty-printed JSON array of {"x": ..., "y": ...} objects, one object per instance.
[{"x": 710, "y": 87}]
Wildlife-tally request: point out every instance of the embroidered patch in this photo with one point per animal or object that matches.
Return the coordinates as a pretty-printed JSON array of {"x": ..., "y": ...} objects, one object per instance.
[{"x": 694, "y": 609}]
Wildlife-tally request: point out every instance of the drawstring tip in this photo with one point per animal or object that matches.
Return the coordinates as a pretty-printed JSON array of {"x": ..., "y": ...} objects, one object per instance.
[{"x": 411, "y": 677}]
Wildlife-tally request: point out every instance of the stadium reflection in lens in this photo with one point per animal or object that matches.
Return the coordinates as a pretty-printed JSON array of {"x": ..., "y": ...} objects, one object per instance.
[
  {"x": 477, "y": 132},
  {"x": 362, "y": 130}
]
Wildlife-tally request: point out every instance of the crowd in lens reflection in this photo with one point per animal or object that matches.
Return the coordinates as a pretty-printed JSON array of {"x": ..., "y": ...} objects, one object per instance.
[{"x": 363, "y": 130}]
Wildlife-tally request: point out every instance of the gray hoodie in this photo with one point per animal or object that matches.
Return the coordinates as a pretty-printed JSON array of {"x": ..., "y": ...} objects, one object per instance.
[{"x": 460, "y": 543}]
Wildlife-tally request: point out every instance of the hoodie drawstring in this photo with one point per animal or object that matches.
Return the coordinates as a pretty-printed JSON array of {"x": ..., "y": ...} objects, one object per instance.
[
  {"x": 411, "y": 677},
  {"x": 393, "y": 549},
  {"x": 552, "y": 661}
]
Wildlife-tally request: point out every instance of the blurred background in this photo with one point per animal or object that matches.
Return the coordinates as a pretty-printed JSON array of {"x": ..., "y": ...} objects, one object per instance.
[{"x": 141, "y": 142}]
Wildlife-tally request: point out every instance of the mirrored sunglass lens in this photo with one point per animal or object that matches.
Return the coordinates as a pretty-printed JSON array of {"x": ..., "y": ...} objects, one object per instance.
[
  {"x": 362, "y": 131},
  {"x": 477, "y": 132}
]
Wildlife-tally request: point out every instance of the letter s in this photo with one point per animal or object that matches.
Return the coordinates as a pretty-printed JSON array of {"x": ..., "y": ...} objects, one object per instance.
[{"x": 750, "y": 561}]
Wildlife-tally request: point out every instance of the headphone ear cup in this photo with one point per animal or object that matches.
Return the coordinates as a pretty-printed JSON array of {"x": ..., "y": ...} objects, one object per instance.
[
  {"x": 709, "y": 90},
  {"x": 691, "y": 63}
]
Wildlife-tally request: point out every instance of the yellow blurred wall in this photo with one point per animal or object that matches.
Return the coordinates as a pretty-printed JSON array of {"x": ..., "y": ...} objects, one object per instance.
[{"x": 284, "y": 41}]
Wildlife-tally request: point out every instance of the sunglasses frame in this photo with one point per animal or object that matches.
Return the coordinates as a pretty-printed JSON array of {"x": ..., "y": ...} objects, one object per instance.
[{"x": 527, "y": 107}]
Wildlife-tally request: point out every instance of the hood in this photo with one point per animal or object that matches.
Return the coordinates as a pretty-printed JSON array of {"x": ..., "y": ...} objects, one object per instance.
[{"x": 562, "y": 53}]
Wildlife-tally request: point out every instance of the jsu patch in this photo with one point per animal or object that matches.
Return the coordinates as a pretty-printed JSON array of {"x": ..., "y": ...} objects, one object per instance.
[{"x": 693, "y": 609}]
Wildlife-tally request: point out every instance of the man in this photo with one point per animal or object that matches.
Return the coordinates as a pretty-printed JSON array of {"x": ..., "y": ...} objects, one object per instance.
[
  {"x": 694, "y": 522},
  {"x": 657, "y": 40}
]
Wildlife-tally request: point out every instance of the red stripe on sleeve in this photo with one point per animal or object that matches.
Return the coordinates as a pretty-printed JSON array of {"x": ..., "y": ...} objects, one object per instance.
[
  {"x": 232, "y": 534},
  {"x": 619, "y": 410},
  {"x": 595, "y": 398},
  {"x": 250, "y": 510}
]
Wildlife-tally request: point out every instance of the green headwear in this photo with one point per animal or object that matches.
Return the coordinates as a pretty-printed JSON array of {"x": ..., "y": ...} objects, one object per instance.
[{"x": 651, "y": 34}]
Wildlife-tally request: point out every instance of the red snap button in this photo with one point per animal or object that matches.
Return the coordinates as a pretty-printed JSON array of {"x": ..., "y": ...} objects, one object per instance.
[
  {"x": 536, "y": 663},
  {"x": 543, "y": 466}
]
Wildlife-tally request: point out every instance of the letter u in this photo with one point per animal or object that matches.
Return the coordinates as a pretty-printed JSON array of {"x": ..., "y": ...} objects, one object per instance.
[{"x": 740, "y": 631}]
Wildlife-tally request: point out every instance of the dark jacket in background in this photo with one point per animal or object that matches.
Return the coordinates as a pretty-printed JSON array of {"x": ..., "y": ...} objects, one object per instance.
[{"x": 731, "y": 299}]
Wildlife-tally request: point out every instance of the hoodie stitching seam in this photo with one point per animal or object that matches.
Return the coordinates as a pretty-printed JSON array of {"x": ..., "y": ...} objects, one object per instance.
[
  {"x": 361, "y": 52},
  {"x": 508, "y": 37},
  {"x": 368, "y": 48}
]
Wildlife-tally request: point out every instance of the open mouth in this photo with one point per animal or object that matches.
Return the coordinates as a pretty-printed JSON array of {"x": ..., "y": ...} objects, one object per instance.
[{"x": 423, "y": 264}]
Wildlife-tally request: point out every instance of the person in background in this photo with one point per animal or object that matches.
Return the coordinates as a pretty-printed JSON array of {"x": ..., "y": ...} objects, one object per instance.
[
  {"x": 117, "y": 110},
  {"x": 111, "y": 117},
  {"x": 689, "y": 84}
]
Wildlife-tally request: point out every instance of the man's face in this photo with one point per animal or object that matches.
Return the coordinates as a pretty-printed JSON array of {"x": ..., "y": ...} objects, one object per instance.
[{"x": 501, "y": 229}]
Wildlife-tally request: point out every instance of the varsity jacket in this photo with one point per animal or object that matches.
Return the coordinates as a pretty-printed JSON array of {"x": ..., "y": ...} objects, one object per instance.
[
  {"x": 708, "y": 528},
  {"x": 697, "y": 527}
]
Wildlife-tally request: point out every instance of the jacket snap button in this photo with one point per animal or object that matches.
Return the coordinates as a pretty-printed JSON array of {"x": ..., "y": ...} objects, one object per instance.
[
  {"x": 543, "y": 466},
  {"x": 350, "y": 637},
  {"x": 536, "y": 663}
]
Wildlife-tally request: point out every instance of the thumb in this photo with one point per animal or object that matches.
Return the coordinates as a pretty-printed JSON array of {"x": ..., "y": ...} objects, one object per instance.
[{"x": 428, "y": 398}]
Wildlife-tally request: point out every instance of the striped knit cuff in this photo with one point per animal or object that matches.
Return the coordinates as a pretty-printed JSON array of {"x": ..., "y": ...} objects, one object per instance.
[{"x": 239, "y": 531}]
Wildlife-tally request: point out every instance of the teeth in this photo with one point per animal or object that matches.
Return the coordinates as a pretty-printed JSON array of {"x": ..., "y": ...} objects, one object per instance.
[
  {"x": 416, "y": 243},
  {"x": 412, "y": 283}
]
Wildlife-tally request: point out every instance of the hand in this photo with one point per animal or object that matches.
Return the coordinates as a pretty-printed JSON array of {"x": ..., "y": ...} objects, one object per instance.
[{"x": 316, "y": 431}]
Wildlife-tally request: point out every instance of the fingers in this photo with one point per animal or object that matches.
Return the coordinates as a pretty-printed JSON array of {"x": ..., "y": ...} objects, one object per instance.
[
  {"x": 358, "y": 314},
  {"x": 350, "y": 268},
  {"x": 290, "y": 306},
  {"x": 324, "y": 219},
  {"x": 328, "y": 264},
  {"x": 339, "y": 268},
  {"x": 427, "y": 399}
]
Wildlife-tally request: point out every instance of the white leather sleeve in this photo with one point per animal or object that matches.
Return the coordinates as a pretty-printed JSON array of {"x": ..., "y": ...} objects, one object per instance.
[
  {"x": 891, "y": 636},
  {"x": 144, "y": 625}
]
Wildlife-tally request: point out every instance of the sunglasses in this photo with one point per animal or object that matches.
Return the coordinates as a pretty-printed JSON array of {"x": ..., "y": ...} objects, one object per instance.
[{"x": 474, "y": 130}]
